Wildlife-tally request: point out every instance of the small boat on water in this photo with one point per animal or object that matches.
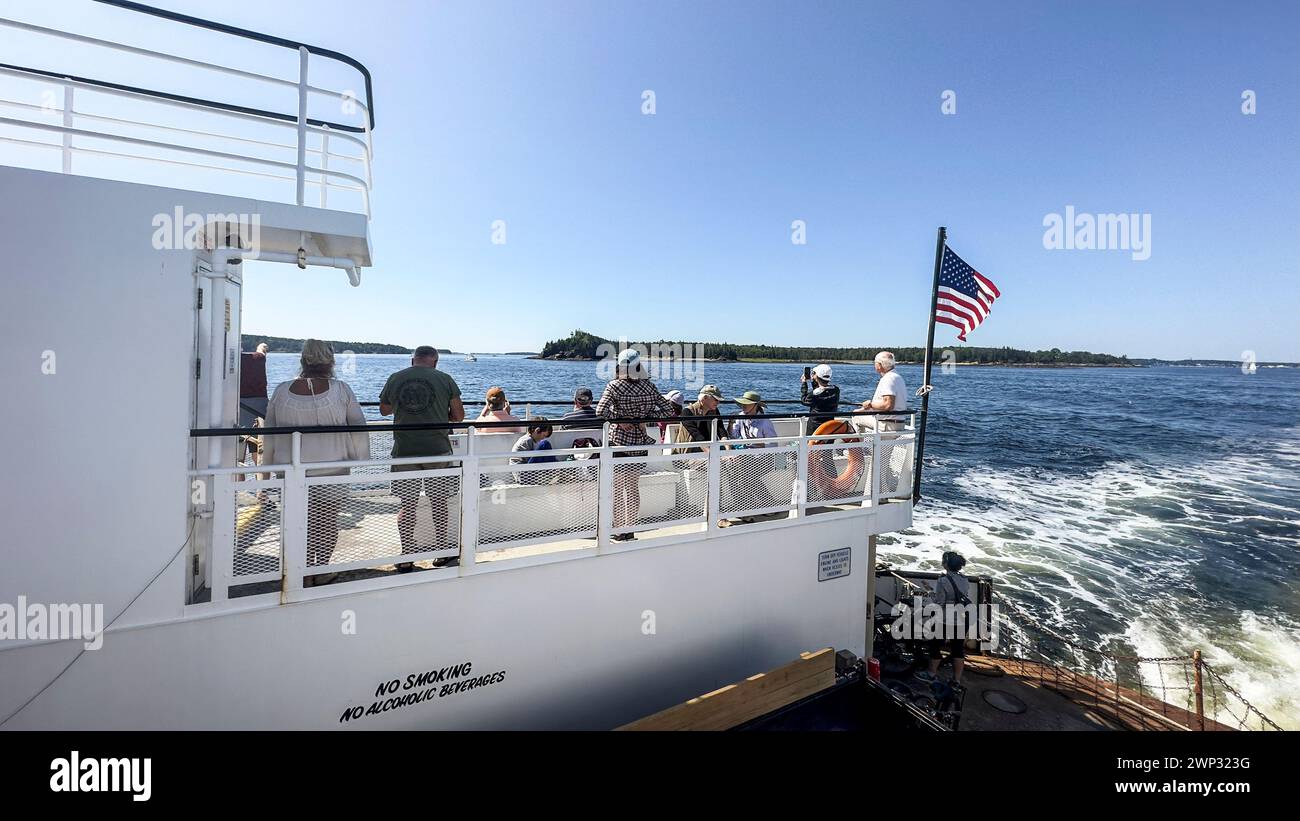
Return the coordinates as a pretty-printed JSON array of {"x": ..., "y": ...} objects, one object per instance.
[{"x": 469, "y": 357}]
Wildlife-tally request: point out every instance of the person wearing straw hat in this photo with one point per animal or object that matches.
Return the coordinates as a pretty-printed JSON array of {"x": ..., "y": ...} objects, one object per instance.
[
  {"x": 751, "y": 403},
  {"x": 745, "y": 471}
]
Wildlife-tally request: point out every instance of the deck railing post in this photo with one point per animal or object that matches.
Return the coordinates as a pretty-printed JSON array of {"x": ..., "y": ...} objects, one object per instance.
[
  {"x": 802, "y": 454},
  {"x": 293, "y": 526},
  {"x": 715, "y": 480},
  {"x": 604, "y": 492},
  {"x": 324, "y": 164},
  {"x": 1200, "y": 693},
  {"x": 222, "y": 550},
  {"x": 67, "y": 123},
  {"x": 875, "y": 462},
  {"x": 469, "y": 499},
  {"x": 303, "y": 56}
]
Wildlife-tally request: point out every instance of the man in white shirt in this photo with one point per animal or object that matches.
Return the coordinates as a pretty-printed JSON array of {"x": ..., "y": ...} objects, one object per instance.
[{"x": 891, "y": 395}]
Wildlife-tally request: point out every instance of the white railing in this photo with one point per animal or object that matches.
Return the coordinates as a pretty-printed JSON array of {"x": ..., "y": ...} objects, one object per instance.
[
  {"x": 474, "y": 510},
  {"x": 240, "y": 142}
]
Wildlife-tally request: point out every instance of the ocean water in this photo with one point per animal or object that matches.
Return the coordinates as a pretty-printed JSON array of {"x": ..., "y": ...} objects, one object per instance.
[{"x": 1144, "y": 511}]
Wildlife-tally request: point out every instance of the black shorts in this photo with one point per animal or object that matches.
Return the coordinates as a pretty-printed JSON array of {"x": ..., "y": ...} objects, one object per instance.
[{"x": 956, "y": 648}]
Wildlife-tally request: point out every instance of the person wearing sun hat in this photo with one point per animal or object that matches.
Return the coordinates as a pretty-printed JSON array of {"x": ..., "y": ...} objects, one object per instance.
[
  {"x": 751, "y": 403},
  {"x": 744, "y": 472}
]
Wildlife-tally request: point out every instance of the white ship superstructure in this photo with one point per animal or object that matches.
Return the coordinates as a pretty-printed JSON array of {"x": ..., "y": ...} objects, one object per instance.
[{"x": 127, "y": 488}]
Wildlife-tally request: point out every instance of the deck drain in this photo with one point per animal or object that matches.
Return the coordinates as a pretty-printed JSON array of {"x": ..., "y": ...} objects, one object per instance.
[{"x": 1004, "y": 701}]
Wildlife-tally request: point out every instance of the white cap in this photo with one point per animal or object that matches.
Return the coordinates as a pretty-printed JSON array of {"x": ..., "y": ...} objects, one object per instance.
[
  {"x": 674, "y": 396},
  {"x": 885, "y": 359},
  {"x": 629, "y": 358},
  {"x": 823, "y": 372}
]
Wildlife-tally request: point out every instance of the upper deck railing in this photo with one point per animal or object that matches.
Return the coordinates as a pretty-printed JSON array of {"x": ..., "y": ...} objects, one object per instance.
[
  {"x": 226, "y": 145},
  {"x": 280, "y": 529}
]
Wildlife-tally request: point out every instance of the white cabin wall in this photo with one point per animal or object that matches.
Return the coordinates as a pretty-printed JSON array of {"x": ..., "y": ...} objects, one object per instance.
[
  {"x": 96, "y": 497},
  {"x": 97, "y": 451}
]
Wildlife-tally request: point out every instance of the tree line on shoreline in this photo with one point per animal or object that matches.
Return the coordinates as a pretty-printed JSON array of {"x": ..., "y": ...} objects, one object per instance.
[{"x": 583, "y": 345}]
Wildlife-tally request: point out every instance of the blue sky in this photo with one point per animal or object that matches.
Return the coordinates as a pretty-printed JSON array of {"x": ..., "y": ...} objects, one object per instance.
[{"x": 677, "y": 224}]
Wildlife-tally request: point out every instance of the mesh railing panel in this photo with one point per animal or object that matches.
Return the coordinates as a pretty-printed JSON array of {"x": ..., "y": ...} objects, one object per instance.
[
  {"x": 840, "y": 473},
  {"x": 526, "y": 503},
  {"x": 757, "y": 480},
  {"x": 257, "y": 531},
  {"x": 895, "y": 460},
  {"x": 405, "y": 516},
  {"x": 673, "y": 490}
]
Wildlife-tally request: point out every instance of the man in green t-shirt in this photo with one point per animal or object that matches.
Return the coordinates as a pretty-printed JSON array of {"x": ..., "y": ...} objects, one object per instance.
[{"x": 422, "y": 394}]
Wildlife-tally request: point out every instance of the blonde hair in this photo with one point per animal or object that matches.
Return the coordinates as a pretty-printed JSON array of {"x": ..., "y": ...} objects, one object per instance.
[{"x": 317, "y": 359}]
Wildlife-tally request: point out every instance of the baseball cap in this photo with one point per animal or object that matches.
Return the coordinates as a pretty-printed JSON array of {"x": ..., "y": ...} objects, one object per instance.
[
  {"x": 629, "y": 357},
  {"x": 582, "y": 395},
  {"x": 495, "y": 390},
  {"x": 674, "y": 396},
  {"x": 823, "y": 371},
  {"x": 710, "y": 390}
]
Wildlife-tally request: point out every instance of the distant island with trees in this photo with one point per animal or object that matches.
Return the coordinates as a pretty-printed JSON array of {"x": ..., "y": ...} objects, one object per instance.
[
  {"x": 282, "y": 344},
  {"x": 581, "y": 345}
]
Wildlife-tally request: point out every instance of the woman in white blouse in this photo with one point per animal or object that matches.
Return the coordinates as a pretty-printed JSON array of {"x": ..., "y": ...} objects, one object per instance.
[{"x": 316, "y": 398}]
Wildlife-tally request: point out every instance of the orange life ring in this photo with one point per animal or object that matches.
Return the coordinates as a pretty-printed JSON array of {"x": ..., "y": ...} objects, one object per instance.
[{"x": 830, "y": 485}]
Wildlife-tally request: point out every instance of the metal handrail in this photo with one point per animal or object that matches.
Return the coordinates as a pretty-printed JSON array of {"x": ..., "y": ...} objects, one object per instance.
[
  {"x": 223, "y": 28},
  {"x": 323, "y": 176},
  {"x": 469, "y": 423}
]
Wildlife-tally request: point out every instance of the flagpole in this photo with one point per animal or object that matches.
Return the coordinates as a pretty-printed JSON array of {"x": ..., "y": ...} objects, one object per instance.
[{"x": 929, "y": 355}]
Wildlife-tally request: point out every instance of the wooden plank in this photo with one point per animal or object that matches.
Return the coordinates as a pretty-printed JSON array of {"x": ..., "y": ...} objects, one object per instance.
[{"x": 737, "y": 703}]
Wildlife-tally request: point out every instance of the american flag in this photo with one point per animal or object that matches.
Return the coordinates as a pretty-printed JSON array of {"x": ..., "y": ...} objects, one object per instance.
[{"x": 965, "y": 295}]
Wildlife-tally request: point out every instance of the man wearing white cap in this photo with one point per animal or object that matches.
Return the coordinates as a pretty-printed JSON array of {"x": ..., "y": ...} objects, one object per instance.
[
  {"x": 891, "y": 395},
  {"x": 823, "y": 399}
]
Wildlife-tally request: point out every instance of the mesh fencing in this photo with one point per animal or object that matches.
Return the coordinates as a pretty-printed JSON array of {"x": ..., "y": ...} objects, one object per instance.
[
  {"x": 758, "y": 480},
  {"x": 839, "y": 471},
  {"x": 521, "y": 504},
  {"x": 671, "y": 491},
  {"x": 257, "y": 531},
  {"x": 895, "y": 465},
  {"x": 362, "y": 522}
]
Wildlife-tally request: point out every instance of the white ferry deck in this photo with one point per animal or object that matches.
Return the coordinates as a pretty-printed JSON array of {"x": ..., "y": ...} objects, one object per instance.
[{"x": 137, "y": 502}]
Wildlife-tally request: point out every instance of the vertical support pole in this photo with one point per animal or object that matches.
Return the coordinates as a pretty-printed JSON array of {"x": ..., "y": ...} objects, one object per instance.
[
  {"x": 469, "y": 499},
  {"x": 67, "y": 123},
  {"x": 1200, "y": 693},
  {"x": 303, "y": 55},
  {"x": 604, "y": 492},
  {"x": 221, "y": 554},
  {"x": 801, "y": 475},
  {"x": 875, "y": 464},
  {"x": 715, "y": 479},
  {"x": 871, "y": 598},
  {"x": 293, "y": 526},
  {"x": 929, "y": 357},
  {"x": 214, "y": 369},
  {"x": 324, "y": 165}
]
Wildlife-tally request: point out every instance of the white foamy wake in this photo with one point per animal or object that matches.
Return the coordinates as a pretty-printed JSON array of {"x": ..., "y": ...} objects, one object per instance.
[{"x": 1110, "y": 560}]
